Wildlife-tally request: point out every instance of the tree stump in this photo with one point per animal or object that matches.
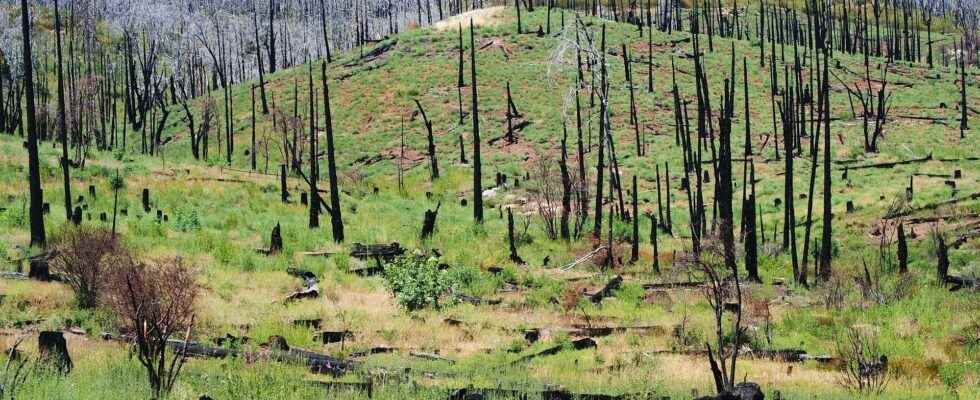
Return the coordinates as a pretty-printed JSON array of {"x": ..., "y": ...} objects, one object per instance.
[
  {"x": 91, "y": 191},
  {"x": 76, "y": 216},
  {"x": 429, "y": 222},
  {"x": 304, "y": 199},
  {"x": 283, "y": 192},
  {"x": 275, "y": 244},
  {"x": 39, "y": 269},
  {"x": 53, "y": 349},
  {"x": 146, "y": 200}
]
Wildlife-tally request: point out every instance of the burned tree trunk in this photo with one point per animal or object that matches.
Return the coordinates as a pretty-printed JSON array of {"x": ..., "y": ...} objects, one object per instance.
[
  {"x": 429, "y": 222},
  {"x": 62, "y": 123},
  {"x": 336, "y": 220},
  {"x": 653, "y": 241},
  {"x": 477, "y": 173},
  {"x": 53, "y": 350},
  {"x": 283, "y": 191},
  {"x": 314, "y": 159},
  {"x": 903, "y": 251},
  {"x": 635, "y": 251},
  {"x": 510, "y": 238},
  {"x": 33, "y": 164},
  {"x": 433, "y": 163},
  {"x": 942, "y": 256},
  {"x": 566, "y": 186},
  {"x": 275, "y": 240}
]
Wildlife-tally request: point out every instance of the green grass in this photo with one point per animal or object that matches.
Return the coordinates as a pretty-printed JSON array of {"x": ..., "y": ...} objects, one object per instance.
[{"x": 217, "y": 225}]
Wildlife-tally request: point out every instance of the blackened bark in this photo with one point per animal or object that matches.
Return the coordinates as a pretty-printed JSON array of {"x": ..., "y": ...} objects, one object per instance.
[
  {"x": 34, "y": 171},
  {"x": 566, "y": 186},
  {"x": 477, "y": 173},
  {"x": 510, "y": 238},
  {"x": 62, "y": 126},
  {"x": 433, "y": 162},
  {"x": 635, "y": 251},
  {"x": 903, "y": 251},
  {"x": 283, "y": 191},
  {"x": 314, "y": 159},
  {"x": 336, "y": 220}
]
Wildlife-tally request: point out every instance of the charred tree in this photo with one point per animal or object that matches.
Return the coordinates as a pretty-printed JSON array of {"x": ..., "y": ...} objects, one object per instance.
[
  {"x": 33, "y": 163},
  {"x": 433, "y": 162},
  {"x": 62, "y": 123},
  {"x": 336, "y": 220},
  {"x": 477, "y": 173}
]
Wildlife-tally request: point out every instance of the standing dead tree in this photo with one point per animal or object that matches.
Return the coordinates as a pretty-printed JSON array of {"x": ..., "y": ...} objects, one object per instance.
[
  {"x": 477, "y": 173},
  {"x": 433, "y": 162},
  {"x": 336, "y": 220},
  {"x": 33, "y": 160},
  {"x": 875, "y": 104}
]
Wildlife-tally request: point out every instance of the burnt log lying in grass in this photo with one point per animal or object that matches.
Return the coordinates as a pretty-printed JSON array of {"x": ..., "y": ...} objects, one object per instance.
[
  {"x": 891, "y": 164},
  {"x": 600, "y": 331},
  {"x": 553, "y": 394},
  {"x": 476, "y": 301},
  {"x": 741, "y": 391},
  {"x": 378, "y": 252},
  {"x": 956, "y": 283},
  {"x": 385, "y": 251},
  {"x": 580, "y": 344},
  {"x": 933, "y": 206},
  {"x": 310, "y": 288},
  {"x": 673, "y": 285},
  {"x": 327, "y": 337},
  {"x": 607, "y": 290},
  {"x": 278, "y": 351}
]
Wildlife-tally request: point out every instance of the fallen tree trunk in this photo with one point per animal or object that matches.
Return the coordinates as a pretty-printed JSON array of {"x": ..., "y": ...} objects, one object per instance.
[
  {"x": 607, "y": 291},
  {"x": 891, "y": 164},
  {"x": 580, "y": 344},
  {"x": 933, "y": 206},
  {"x": 317, "y": 363}
]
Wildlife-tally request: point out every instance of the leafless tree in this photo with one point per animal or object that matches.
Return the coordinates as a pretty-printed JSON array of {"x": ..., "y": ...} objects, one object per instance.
[{"x": 154, "y": 302}]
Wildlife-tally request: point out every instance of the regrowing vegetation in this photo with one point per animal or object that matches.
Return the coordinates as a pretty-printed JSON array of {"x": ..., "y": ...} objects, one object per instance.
[{"x": 433, "y": 199}]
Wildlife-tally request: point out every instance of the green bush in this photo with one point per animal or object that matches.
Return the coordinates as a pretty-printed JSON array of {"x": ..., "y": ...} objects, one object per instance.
[
  {"x": 416, "y": 281},
  {"x": 186, "y": 219}
]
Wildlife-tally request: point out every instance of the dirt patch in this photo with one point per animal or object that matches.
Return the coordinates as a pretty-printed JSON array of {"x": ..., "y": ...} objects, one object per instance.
[{"x": 492, "y": 16}]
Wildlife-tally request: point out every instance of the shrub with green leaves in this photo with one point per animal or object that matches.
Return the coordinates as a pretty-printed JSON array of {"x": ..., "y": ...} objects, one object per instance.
[
  {"x": 186, "y": 220},
  {"x": 416, "y": 281}
]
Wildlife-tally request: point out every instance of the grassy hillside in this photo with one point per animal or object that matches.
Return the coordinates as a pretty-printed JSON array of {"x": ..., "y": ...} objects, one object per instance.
[{"x": 218, "y": 214}]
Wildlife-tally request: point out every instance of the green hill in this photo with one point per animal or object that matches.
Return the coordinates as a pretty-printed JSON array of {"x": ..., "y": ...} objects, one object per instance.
[{"x": 216, "y": 215}]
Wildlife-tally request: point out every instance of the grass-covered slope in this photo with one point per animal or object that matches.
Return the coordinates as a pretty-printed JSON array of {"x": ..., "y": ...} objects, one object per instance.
[{"x": 218, "y": 214}]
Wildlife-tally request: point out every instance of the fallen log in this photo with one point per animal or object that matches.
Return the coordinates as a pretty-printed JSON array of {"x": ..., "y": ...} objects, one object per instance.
[
  {"x": 318, "y": 363},
  {"x": 580, "y": 344},
  {"x": 386, "y": 251},
  {"x": 933, "y": 206},
  {"x": 673, "y": 285},
  {"x": 553, "y": 394},
  {"x": 476, "y": 300},
  {"x": 379, "y": 252},
  {"x": 956, "y": 283},
  {"x": 607, "y": 290},
  {"x": 431, "y": 356},
  {"x": 13, "y": 275},
  {"x": 600, "y": 331},
  {"x": 891, "y": 164},
  {"x": 327, "y": 337}
]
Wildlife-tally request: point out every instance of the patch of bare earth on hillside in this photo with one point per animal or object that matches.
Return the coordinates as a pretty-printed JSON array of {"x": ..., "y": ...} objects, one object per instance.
[{"x": 492, "y": 16}]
